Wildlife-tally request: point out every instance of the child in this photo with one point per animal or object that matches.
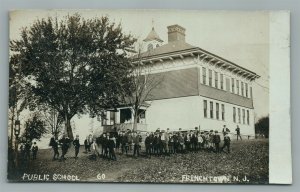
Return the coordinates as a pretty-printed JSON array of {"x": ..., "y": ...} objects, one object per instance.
[
  {"x": 76, "y": 145},
  {"x": 217, "y": 140},
  {"x": 200, "y": 140},
  {"x": 226, "y": 142},
  {"x": 86, "y": 145},
  {"x": 111, "y": 148},
  {"x": 54, "y": 144},
  {"x": 148, "y": 143},
  {"x": 34, "y": 150}
]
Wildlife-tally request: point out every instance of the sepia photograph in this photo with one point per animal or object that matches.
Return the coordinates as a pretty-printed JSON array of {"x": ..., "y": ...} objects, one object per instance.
[{"x": 139, "y": 96}]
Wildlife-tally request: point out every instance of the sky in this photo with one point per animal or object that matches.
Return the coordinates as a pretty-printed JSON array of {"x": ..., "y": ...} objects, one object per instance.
[{"x": 240, "y": 37}]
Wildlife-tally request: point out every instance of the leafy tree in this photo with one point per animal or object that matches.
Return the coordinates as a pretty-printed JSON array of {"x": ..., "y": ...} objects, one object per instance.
[
  {"x": 34, "y": 128},
  {"x": 262, "y": 126},
  {"x": 71, "y": 64}
]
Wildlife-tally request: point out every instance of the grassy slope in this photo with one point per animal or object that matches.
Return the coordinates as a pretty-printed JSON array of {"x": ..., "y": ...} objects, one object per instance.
[{"x": 249, "y": 157}]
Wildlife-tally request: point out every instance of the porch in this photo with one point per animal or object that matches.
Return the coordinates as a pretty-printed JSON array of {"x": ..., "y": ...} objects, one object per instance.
[{"x": 124, "y": 126}]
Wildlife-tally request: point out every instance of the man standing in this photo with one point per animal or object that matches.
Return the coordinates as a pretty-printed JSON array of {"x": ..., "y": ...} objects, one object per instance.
[
  {"x": 76, "y": 146},
  {"x": 238, "y": 133}
]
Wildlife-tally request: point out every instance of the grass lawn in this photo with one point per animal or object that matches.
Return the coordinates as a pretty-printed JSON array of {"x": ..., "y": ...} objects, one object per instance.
[{"x": 248, "y": 158}]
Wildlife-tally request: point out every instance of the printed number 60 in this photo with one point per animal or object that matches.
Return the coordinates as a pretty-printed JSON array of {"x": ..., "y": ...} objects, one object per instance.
[{"x": 101, "y": 176}]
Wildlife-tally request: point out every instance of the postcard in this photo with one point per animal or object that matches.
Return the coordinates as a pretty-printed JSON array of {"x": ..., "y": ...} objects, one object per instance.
[{"x": 149, "y": 96}]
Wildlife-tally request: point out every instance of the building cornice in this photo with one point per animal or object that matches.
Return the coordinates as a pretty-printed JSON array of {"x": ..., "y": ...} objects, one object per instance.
[{"x": 201, "y": 55}]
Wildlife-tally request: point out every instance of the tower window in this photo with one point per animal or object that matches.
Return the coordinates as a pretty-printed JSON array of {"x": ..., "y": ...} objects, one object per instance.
[{"x": 150, "y": 47}]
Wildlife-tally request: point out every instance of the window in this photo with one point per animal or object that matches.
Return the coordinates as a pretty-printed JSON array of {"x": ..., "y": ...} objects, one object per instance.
[
  {"x": 112, "y": 118},
  {"x": 242, "y": 87},
  {"x": 232, "y": 85},
  {"x": 210, "y": 77},
  {"x": 217, "y": 110},
  {"x": 248, "y": 119},
  {"x": 150, "y": 47},
  {"x": 239, "y": 114},
  {"x": 237, "y": 87},
  {"x": 216, "y": 80},
  {"x": 246, "y": 87},
  {"x": 222, "y": 81},
  {"x": 204, "y": 75},
  {"x": 211, "y": 110},
  {"x": 205, "y": 108},
  {"x": 251, "y": 92},
  {"x": 243, "y": 116},
  {"x": 104, "y": 118},
  {"x": 223, "y": 112},
  {"x": 234, "y": 115}
]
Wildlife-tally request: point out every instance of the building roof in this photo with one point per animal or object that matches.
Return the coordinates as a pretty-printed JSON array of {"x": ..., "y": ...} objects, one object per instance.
[
  {"x": 174, "y": 46},
  {"x": 153, "y": 36}
]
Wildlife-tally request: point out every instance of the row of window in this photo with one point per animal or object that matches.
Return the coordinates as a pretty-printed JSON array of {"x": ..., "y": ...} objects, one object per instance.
[
  {"x": 211, "y": 110},
  {"x": 210, "y": 80},
  {"x": 241, "y": 87},
  {"x": 217, "y": 111},
  {"x": 237, "y": 86},
  {"x": 238, "y": 112}
]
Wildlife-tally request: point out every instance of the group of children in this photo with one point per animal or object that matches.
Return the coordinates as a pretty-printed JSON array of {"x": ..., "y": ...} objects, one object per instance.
[
  {"x": 28, "y": 150},
  {"x": 156, "y": 143}
]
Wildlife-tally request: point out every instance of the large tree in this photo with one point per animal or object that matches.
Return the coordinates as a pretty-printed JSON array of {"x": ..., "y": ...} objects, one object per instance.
[{"x": 71, "y": 63}]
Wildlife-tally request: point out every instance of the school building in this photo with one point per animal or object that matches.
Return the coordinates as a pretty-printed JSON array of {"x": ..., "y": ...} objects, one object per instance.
[{"x": 198, "y": 89}]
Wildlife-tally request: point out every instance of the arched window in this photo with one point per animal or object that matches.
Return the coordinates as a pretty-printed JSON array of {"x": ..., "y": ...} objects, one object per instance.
[{"x": 150, "y": 47}]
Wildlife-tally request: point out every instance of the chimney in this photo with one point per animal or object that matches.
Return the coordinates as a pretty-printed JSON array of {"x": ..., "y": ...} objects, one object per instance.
[{"x": 176, "y": 33}]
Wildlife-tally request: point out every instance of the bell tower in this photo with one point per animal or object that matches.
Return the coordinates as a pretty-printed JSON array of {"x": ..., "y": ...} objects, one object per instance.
[{"x": 152, "y": 40}]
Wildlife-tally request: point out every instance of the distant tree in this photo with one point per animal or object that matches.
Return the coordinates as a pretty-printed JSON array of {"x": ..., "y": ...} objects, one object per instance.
[
  {"x": 53, "y": 121},
  {"x": 262, "y": 126},
  {"x": 71, "y": 64},
  {"x": 34, "y": 128}
]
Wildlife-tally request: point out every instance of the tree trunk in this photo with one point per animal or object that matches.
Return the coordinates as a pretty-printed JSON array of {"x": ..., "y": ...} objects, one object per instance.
[
  {"x": 135, "y": 121},
  {"x": 68, "y": 128}
]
